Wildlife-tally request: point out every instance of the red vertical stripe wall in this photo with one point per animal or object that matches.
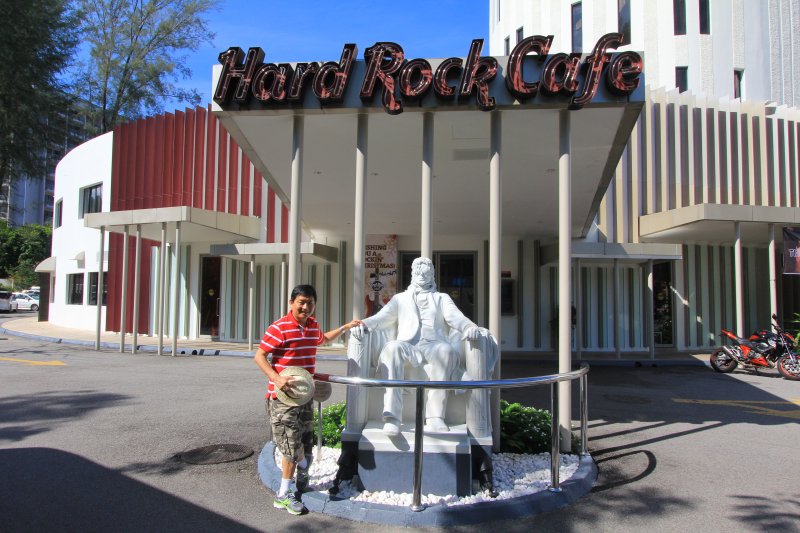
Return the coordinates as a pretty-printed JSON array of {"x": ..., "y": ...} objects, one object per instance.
[{"x": 181, "y": 159}]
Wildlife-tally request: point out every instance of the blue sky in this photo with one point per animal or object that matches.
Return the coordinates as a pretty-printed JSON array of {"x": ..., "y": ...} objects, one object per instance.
[{"x": 316, "y": 30}]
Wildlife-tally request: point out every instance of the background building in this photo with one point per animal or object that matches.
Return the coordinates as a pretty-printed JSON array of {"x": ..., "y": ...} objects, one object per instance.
[{"x": 712, "y": 165}]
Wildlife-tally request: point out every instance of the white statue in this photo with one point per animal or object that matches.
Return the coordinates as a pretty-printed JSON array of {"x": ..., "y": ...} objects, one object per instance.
[{"x": 424, "y": 328}]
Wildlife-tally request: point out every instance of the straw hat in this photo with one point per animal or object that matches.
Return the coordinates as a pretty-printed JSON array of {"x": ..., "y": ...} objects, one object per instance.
[{"x": 301, "y": 388}]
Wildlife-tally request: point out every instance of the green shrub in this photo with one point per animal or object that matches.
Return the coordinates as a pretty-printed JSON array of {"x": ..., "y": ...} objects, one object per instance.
[
  {"x": 522, "y": 429},
  {"x": 334, "y": 418}
]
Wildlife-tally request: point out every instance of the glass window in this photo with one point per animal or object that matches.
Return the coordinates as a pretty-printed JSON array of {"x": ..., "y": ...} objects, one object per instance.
[
  {"x": 705, "y": 17},
  {"x": 679, "y": 16},
  {"x": 57, "y": 214},
  {"x": 91, "y": 200},
  {"x": 520, "y": 33},
  {"x": 624, "y": 20},
  {"x": 577, "y": 27},
  {"x": 75, "y": 289},
  {"x": 682, "y": 78},
  {"x": 506, "y": 46},
  {"x": 93, "y": 287},
  {"x": 738, "y": 75}
]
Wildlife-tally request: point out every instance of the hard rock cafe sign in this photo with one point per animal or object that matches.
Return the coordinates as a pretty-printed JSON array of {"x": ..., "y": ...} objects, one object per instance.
[{"x": 249, "y": 82}]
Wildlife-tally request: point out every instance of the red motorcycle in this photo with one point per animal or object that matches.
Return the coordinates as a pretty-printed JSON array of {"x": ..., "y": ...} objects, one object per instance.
[{"x": 763, "y": 349}]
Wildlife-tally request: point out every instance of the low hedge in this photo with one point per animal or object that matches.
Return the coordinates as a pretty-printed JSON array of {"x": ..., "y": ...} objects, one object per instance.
[{"x": 522, "y": 429}]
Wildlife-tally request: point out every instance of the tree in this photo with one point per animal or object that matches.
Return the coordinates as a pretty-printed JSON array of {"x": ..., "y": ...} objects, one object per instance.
[
  {"x": 37, "y": 40},
  {"x": 21, "y": 249},
  {"x": 135, "y": 54}
]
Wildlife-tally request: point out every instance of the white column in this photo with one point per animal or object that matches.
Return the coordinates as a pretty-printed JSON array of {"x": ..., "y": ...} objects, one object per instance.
[
  {"x": 284, "y": 298},
  {"x": 176, "y": 290},
  {"x": 426, "y": 200},
  {"x": 737, "y": 269},
  {"x": 564, "y": 279},
  {"x": 359, "y": 229},
  {"x": 100, "y": 275},
  {"x": 250, "y": 302},
  {"x": 495, "y": 254},
  {"x": 296, "y": 201},
  {"x": 124, "y": 300},
  {"x": 617, "y": 322},
  {"x": 649, "y": 323},
  {"x": 161, "y": 288},
  {"x": 773, "y": 275},
  {"x": 137, "y": 274}
]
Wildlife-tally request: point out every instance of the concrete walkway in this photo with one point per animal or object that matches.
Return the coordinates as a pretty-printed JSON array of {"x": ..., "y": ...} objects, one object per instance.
[{"x": 27, "y": 325}]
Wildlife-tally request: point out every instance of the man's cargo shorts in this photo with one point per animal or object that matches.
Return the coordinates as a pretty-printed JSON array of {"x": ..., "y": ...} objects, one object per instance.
[{"x": 292, "y": 428}]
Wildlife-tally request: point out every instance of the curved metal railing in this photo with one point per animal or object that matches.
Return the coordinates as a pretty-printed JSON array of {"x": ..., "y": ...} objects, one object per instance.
[{"x": 420, "y": 386}]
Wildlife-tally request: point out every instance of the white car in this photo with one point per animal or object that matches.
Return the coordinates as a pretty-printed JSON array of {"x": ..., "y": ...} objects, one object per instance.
[
  {"x": 8, "y": 302},
  {"x": 26, "y": 301}
]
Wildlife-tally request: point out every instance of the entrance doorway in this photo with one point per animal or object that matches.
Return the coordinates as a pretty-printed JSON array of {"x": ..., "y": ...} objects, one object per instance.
[
  {"x": 209, "y": 289},
  {"x": 662, "y": 303},
  {"x": 455, "y": 275}
]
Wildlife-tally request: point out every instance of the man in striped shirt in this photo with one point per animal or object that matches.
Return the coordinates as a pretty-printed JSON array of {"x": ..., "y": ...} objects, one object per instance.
[{"x": 292, "y": 341}]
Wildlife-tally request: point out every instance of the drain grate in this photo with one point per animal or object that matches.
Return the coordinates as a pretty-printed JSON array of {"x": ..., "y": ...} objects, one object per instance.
[{"x": 215, "y": 454}]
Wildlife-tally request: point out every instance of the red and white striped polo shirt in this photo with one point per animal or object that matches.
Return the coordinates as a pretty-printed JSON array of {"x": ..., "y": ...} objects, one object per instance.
[{"x": 291, "y": 345}]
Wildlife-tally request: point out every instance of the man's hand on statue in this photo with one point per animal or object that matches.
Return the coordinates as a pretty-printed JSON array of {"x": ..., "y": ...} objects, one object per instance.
[{"x": 359, "y": 331}]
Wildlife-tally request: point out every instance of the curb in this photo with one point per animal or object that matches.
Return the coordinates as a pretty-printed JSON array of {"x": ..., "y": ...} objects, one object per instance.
[{"x": 525, "y": 506}]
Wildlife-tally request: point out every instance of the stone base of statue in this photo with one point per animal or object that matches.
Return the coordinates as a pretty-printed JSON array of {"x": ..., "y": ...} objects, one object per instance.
[{"x": 446, "y": 458}]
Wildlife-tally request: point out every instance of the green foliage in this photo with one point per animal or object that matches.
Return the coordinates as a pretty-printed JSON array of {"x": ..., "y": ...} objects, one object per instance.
[
  {"x": 795, "y": 321},
  {"x": 136, "y": 54},
  {"x": 21, "y": 249},
  {"x": 37, "y": 40},
  {"x": 334, "y": 418},
  {"x": 524, "y": 429}
]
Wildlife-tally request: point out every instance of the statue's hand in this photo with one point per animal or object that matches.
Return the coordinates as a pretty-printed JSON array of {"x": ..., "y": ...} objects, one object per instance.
[
  {"x": 475, "y": 332},
  {"x": 358, "y": 332}
]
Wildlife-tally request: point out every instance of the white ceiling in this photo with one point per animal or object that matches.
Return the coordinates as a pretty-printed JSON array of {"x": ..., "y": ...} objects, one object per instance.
[{"x": 529, "y": 163}]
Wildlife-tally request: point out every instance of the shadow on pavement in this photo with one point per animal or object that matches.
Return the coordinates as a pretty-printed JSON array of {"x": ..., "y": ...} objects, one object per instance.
[
  {"x": 51, "y": 490},
  {"x": 33, "y": 414}
]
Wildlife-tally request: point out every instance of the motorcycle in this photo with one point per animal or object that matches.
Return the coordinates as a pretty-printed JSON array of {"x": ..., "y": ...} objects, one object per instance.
[{"x": 763, "y": 349}]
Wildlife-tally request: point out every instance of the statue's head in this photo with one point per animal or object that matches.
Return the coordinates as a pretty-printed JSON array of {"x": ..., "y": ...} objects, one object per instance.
[{"x": 422, "y": 273}]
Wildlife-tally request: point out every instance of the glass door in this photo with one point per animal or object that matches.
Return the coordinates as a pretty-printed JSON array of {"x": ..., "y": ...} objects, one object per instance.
[{"x": 209, "y": 301}]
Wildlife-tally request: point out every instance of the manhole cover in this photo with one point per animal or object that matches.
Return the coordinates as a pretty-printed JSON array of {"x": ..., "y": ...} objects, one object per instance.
[
  {"x": 215, "y": 454},
  {"x": 625, "y": 398}
]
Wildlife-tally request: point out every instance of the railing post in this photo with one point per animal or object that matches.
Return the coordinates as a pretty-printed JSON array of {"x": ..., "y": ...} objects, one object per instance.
[
  {"x": 319, "y": 431},
  {"x": 555, "y": 444},
  {"x": 416, "y": 503},
  {"x": 584, "y": 388}
]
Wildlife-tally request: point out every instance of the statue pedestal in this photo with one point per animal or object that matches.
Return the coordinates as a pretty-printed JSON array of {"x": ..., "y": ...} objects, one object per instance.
[{"x": 386, "y": 463}]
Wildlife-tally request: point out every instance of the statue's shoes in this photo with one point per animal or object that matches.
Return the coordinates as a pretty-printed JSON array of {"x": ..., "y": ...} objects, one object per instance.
[
  {"x": 437, "y": 425},
  {"x": 391, "y": 427}
]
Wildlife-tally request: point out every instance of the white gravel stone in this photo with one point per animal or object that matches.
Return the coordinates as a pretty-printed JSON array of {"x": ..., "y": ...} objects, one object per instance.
[{"x": 515, "y": 475}]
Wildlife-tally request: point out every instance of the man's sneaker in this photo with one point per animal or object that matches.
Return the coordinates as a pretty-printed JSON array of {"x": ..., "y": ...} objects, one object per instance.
[
  {"x": 289, "y": 502},
  {"x": 301, "y": 482}
]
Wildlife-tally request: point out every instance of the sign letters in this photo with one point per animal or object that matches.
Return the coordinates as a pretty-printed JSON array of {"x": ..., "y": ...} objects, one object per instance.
[{"x": 245, "y": 77}]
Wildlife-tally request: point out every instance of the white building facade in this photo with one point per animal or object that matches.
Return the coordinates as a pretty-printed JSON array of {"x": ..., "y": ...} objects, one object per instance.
[{"x": 712, "y": 165}]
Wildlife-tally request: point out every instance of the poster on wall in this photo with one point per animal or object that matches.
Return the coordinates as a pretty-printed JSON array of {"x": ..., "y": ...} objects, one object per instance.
[
  {"x": 791, "y": 250},
  {"x": 380, "y": 272}
]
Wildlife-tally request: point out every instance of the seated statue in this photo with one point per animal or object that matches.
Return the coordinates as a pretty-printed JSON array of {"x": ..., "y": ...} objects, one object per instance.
[{"x": 423, "y": 329}]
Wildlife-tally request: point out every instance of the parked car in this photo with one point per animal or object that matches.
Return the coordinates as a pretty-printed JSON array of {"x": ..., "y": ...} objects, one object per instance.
[
  {"x": 26, "y": 301},
  {"x": 8, "y": 302}
]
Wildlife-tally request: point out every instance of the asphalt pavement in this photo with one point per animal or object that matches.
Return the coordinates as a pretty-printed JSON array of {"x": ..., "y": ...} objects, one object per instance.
[{"x": 90, "y": 441}]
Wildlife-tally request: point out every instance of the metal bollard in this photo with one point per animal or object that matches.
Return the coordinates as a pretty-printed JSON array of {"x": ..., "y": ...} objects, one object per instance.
[{"x": 416, "y": 502}]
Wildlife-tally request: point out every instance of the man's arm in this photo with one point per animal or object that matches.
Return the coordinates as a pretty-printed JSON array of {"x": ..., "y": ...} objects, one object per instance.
[
  {"x": 263, "y": 363},
  {"x": 334, "y": 333}
]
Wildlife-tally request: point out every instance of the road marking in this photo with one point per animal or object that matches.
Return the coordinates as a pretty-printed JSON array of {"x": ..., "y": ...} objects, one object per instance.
[
  {"x": 33, "y": 363},
  {"x": 753, "y": 406}
]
